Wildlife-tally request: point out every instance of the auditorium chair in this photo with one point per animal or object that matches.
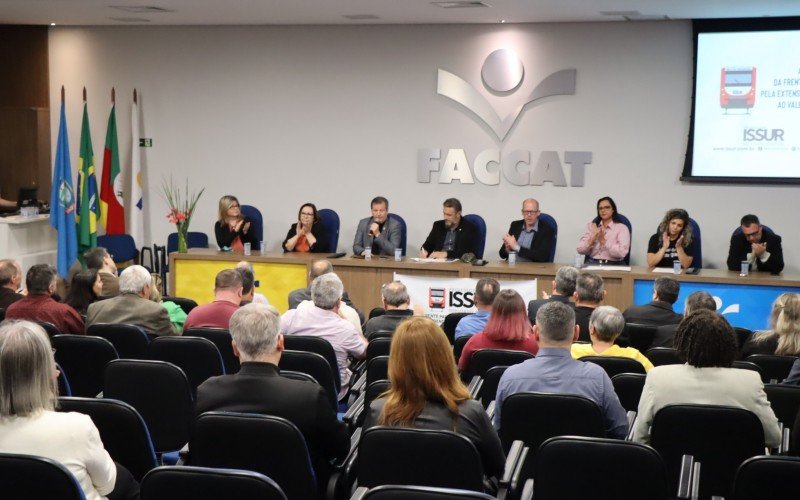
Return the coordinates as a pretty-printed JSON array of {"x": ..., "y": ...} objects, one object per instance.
[
  {"x": 774, "y": 368},
  {"x": 121, "y": 247},
  {"x": 403, "y": 231},
  {"x": 124, "y": 434},
  {"x": 484, "y": 359},
  {"x": 256, "y": 222},
  {"x": 628, "y": 387},
  {"x": 638, "y": 336},
  {"x": 130, "y": 341},
  {"x": 315, "y": 365},
  {"x": 450, "y": 323},
  {"x": 785, "y": 402},
  {"x": 767, "y": 478},
  {"x": 185, "y": 304},
  {"x": 222, "y": 339},
  {"x": 330, "y": 221},
  {"x": 28, "y": 477},
  {"x": 748, "y": 365},
  {"x": 310, "y": 343},
  {"x": 49, "y": 328},
  {"x": 719, "y": 437},
  {"x": 614, "y": 365},
  {"x": 84, "y": 359},
  {"x": 376, "y": 368},
  {"x": 197, "y": 357},
  {"x": 458, "y": 346},
  {"x": 62, "y": 382},
  {"x": 742, "y": 336},
  {"x": 487, "y": 389},
  {"x": 401, "y": 492},
  {"x": 357, "y": 412},
  {"x": 480, "y": 237},
  {"x": 550, "y": 221},
  {"x": 207, "y": 483},
  {"x": 661, "y": 356}
]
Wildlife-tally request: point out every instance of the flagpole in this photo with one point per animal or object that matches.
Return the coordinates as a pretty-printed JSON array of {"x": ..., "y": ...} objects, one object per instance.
[
  {"x": 62, "y": 94},
  {"x": 113, "y": 96},
  {"x": 84, "y": 94}
]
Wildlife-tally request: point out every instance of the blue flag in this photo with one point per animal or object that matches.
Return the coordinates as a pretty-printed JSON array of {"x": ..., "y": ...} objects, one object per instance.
[{"x": 62, "y": 201}]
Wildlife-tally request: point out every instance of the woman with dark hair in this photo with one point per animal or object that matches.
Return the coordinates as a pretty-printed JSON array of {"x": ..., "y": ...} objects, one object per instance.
[
  {"x": 232, "y": 228},
  {"x": 783, "y": 337},
  {"x": 308, "y": 234},
  {"x": 30, "y": 425},
  {"x": 86, "y": 288},
  {"x": 606, "y": 239},
  {"x": 508, "y": 328},
  {"x": 708, "y": 344},
  {"x": 672, "y": 242},
  {"x": 426, "y": 392}
]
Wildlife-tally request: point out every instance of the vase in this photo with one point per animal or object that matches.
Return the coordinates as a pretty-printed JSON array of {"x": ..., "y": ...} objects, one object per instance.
[{"x": 183, "y": 247}]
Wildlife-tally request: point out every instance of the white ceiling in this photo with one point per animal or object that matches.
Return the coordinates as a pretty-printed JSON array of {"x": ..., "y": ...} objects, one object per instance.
[{"x": 257, "y": 12}]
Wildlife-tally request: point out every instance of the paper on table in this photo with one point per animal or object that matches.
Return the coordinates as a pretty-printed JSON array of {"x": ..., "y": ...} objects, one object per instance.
[
  {"x": 418, "y": 259},
  {"x": 597, "y": 267},
  {"x": 665, "y": 270}
]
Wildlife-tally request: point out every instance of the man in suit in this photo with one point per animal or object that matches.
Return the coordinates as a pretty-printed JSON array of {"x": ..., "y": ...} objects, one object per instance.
[
  {"x": 451, "y": 237},
  {"x": 659, "y": 311},
  {"x": 696, "y": 301},
  {"x": 563, "y": 290},
  {"x": 259, "y": 388},
  {"x": 379, "y": 232},
  {"x": 588, "y": 296},
  {"x": 757, "y": 245},
  {"x": 533, "y": 241},
  {"x": 133, "y": 305}
]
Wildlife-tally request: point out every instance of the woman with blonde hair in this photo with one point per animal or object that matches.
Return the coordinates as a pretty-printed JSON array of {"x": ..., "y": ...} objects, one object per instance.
[
  {"x": 672, "y": 242},
  {"x": 427, "y": 393},
  {"x": 233, "y": 227},
  {"x": 783, "y": 337}
]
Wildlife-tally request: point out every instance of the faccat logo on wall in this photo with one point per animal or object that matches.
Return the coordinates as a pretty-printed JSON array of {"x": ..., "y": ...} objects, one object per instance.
[{"x": 502, "y": 72}]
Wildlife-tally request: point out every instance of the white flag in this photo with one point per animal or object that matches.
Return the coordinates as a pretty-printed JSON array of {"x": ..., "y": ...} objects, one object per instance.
[{"x": 136, "y": 208}]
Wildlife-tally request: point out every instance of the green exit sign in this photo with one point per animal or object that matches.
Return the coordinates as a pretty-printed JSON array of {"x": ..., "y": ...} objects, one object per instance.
[{"x": 145, "y": 143}]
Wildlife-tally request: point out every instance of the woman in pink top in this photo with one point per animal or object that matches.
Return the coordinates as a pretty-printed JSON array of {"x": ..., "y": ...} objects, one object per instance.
[
  {"x": 508, "y": 328},
  {"x": 606, "y": 238}
]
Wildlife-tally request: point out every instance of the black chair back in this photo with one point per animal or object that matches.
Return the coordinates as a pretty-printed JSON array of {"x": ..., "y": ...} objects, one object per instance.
[
  {"x": 130, "y": 341},
  {"x": 373, "y": 392},
  {"x": 2, "y": 313},
  {"x": 748, "y": 365},
  {"x": 379, "y": 346},
  {"x": 450, "y": 323},
  {"x": 223, "y": 340},
  {"x": 377, "y": 369},
  {"x": 62, "y": 382},
  {"x": 742, "y": 336},
  {"x": 49, "y": 328},
  {"x": 484, "y": 359},
  {"x": 309, "y": 343},
  {"x": 614, "y": 365},
  {"x": 628, "y": 387},
  {"x": 28, "y": 476},
  {"x": 197, "y": 357},
  {"x": 122, "y": 430},
  {"x": 458, "y": 346},
  {"x": 491, "y": 380},
  {"x": 270, "y": 445},
  {"x": 184, "y": 303},
  {"x": 785, "y": 402},
  {"x": 315, "y": 365},
  {"x": 661, "y": 356},
  {"x": 534, "y": 417},
  {"x": 598, "y": 459},
  {"x": 205, "y": 483},
  {"x": 637, "y": 336},
  {"x": 418, "y": 457},
  {"x": 773, "y": 367},
  {"x": 84, "y": 359},
  {"x": 767, "y": 478},
  {"x": 161, "y": 394},
  {"x": 719, "y": 437},
  {"x": 400, "y": 492}
]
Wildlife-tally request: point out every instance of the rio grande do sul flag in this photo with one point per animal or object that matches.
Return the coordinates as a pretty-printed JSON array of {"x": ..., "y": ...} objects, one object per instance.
[{"x": 112, "y": 215}]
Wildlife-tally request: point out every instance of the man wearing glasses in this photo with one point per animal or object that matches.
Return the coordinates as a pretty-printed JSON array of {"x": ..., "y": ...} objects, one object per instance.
[
  {"x": 531, "y": 239},
  {"x": 757, "y": 245}
]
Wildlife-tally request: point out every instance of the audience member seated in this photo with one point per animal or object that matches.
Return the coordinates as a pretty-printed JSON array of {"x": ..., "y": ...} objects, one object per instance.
[
  {"x": 318, "y": 268},
  {"x": 554, "y": 371},
  {"x": 605, "y": 325},
  {"x": 589, "y": 293},
  {"x": 322, "y": 319},
  {"x": 659, "y": 311},
  {"x": 98, "y": 258},
  {"x": 451, "y": 237},
  {"x": 783, "y": 337},
  {"x": 673, "y": 241},
  {"x": 486, "y": 291},
  {"x": 308, "y": 234},
  {"x": 562, "y": 291},
  {"x": 508, "y": 328},
  {"x": 232, "y": 228},
  {"x": 259, "y": 388},
  {"x": 227, "y": 297},
  {"x": 696, "y": 301},
  {"x": 606, "y": 239},
  {"x": 39, "y": 304},
  {"x": 708, "y": 344},
  {"x": 532, "y": 241},
  {"x": 177, "y": 316},
  {"x": 10, "y": 282},
  {"x": 248, "y": 273},
  {"x": 426, "y": 392},
  {"x": 757, "y": 245},
  {"x": 133, "y": 305},
  {"x": 30, "y": 425},
  {"x": 379, "y": 232},
  {"x": 396, "y": 303},
  {"x": 85, "y": 289}
]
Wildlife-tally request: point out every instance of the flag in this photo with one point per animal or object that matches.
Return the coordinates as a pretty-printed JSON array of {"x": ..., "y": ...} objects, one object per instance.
[
  {"x": 62, "y": 201},
  {"x": 112, "y": 215},
  {"x": 87, "y": 212},
  {"x": 136, "y": 208}
]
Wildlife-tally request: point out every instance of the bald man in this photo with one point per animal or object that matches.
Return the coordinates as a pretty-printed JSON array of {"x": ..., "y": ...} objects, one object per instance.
[{"x": 532, "y": 239}]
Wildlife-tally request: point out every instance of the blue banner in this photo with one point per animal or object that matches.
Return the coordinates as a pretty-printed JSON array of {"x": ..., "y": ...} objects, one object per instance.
[{"x": 62, "y": 201}]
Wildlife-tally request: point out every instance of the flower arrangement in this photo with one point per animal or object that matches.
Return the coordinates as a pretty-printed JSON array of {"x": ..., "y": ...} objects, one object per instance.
[{"x": 181, "y": 208}]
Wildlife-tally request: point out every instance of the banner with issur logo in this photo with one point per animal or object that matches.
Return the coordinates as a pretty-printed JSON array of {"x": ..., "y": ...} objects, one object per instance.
[{"x": 442, "y": 296}]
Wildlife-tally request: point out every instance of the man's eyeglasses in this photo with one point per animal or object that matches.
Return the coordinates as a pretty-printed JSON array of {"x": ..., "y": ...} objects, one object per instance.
[{"x": 530, "y": 212}]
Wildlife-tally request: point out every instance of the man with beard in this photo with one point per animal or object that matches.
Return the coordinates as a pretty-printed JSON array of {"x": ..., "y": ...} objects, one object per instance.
[{"x": 451, "y": 237}]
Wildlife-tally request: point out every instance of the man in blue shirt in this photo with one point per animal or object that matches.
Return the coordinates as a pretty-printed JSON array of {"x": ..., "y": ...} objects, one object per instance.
[
  {"x": 485, "y": 292},
  {"x": 554, "y": 371}
]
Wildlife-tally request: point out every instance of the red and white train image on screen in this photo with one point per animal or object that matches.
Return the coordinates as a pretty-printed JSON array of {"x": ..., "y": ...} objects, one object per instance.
[{"x": 737, "y": 88}]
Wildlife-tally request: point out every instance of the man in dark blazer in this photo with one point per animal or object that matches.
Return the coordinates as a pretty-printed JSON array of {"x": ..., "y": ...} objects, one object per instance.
[
  {"x": 259, "y": 388},
  {"x": 756, "y": 244},
  {"x": 531, "y": 239},
  {"x": 451, "y": 237},
  {"x": 659, "y": 311}
]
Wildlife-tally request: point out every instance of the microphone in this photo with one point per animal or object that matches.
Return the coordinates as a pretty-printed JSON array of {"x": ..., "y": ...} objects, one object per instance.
[{"x": 374, "y": 221}]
